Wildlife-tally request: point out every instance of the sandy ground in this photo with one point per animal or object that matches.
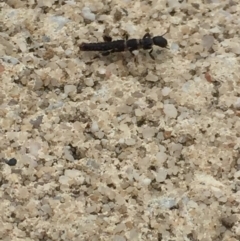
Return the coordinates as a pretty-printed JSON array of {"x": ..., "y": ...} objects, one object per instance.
[{"x": 120, "y": 147}]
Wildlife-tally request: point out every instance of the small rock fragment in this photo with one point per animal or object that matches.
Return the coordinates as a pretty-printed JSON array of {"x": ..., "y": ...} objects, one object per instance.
[
  {"x": 170, "y": 111},
  {"x": 166, "y": 91},
  {"x": 161, "y": 157},
  {"x": 237, "y": 104},
  {"x": 87, "y": 14},
  {"x": 119, "y": 238},
  {"x": 94, "y": 127},
  {"x": 130, "y": 142},
  {"x": 89, "y": 82},
  {"x": 161, "y": 175},
  {"x": 148, "y": 132},
  {"x": 138, "y": 113},
  {"x": 70, "y": 89},
  {"x": 151, "y": 77},
  {"x": 101, "y": 72},
  {"x": 11, "y": 162},
  {"x": 207, "y": 41}
]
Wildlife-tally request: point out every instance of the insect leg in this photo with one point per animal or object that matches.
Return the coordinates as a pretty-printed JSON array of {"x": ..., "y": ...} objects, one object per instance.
[
  {"x": 150, "y": 53},
  {"x": 147, "y": 35},
  {"x": 126, "y": 36},
  {"x": 106, "y": 53},
  {"x": 107, "y": 38},
  {"x": 132, "y": 53}
]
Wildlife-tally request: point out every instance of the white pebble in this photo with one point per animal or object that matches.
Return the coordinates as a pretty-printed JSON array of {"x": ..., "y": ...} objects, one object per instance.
[
  {"x": 161, "y": 157},
  {"x": 60, "y": 20},
  {"x": 148, "y": 132},
  {"x": 173, "y": 4},
  {"x": 121, "y": 141},
  {"x": 166, "y": 91},
  {"x": 151, "y": 77},
  {"x": 237, "y": 104},
  {"x": 170, "y": 111},
  {"x": 130, "y": 142},
  {"x": 70, "y": 89},
  {"x": 68, "y": 154},
  {"x": 119, "y": 238},
  {"x": 130, "y": 28},
  {"x": 161, "y": 175},
  {"x": 174, "y": 47},
  {"x": 89, "y": 82},
  {"x": 21, "y": 44},
  {"x": 34, "y": 148},
  {"x": 146, "y": 181},
  {"x": 167, "y": 202},
  {"x": 64, "y": 180},
  {"x": 94, "y": 127},
  {"x": 176, "y": 147},
  {"x": 87, "y": 14},
  {"x": 237, "y": 230},
  {"x": 99, "y": 134},
  {"x": 101, "y": 71},
  {"x": 46, "y": 208},
  {"x": 237, "y": 175},
  {"x": 72, "y": 173},
  {"x": 138, "y": 112},
  {"x": 235, "y": 48}
]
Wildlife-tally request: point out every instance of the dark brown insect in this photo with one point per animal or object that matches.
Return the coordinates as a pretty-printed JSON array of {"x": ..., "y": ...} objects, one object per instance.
[{"x": 109, "y": 46}]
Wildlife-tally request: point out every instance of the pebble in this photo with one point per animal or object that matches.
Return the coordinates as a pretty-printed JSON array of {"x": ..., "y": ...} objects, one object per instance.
[
  {"x": 64, "y": 180},
  {"x": 87, "y": 14},
  {"x": 119, "y": 238},
  {"x": 168, "y": 202},
  {"x": 161, "y": 157},
  {"x": 89, "y": 82},
  {"x": 207, "y": 41},
  {"x": 138, "y": 112},
  {"x": 60, "y": 20},
  {"x": 94, "y": 127},
  {"x": 174, "y": 47},
  {"x": 237, "y": 104},
  {"x": 173, "y": 4},
  {"x": 130, "y": 142},
  {"x": 151, "y": 77},
  {"x": 161, "y": 175},
  {"x": 99, "y": 134},
  {"x": 166, "y": 91},
  {"x": 11, "y": 162},
  {"x": 101, "y": 72},
  {"x": 235, "y": 48},
  {"x": 72, "y": 173},
  {"x": 170, "y": 111},
  {"x": 148, "y": 132},
  {"x": 146, "y": 181},
  {"x": 70, "y": 89},
  {"x": 68, "y": 154}
]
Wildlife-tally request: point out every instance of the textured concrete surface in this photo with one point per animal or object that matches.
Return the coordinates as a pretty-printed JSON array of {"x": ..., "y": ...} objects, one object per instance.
[{"x": 120, "y": 147}]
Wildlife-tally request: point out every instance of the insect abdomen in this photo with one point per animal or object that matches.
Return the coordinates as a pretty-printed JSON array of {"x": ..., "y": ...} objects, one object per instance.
[
  {"x": 132, "y": 44},
  {"x": 104, "y": 46}
]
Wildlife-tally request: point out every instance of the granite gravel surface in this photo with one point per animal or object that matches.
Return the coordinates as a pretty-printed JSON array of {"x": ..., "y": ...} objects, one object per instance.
[{"x": 119, "y": 147}]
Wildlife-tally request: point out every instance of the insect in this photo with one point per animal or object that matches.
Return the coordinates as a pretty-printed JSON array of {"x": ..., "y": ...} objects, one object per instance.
[{"x": 109, "y": 46}]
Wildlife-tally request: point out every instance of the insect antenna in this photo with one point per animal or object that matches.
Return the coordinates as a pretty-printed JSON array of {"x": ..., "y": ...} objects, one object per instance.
[
  {"x": 166, "y": 31},
  {"x": 167, "y": 47}
]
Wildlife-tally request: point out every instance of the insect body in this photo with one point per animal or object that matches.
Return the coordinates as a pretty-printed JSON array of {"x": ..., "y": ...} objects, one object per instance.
[{"x": 110, "y": 46}]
